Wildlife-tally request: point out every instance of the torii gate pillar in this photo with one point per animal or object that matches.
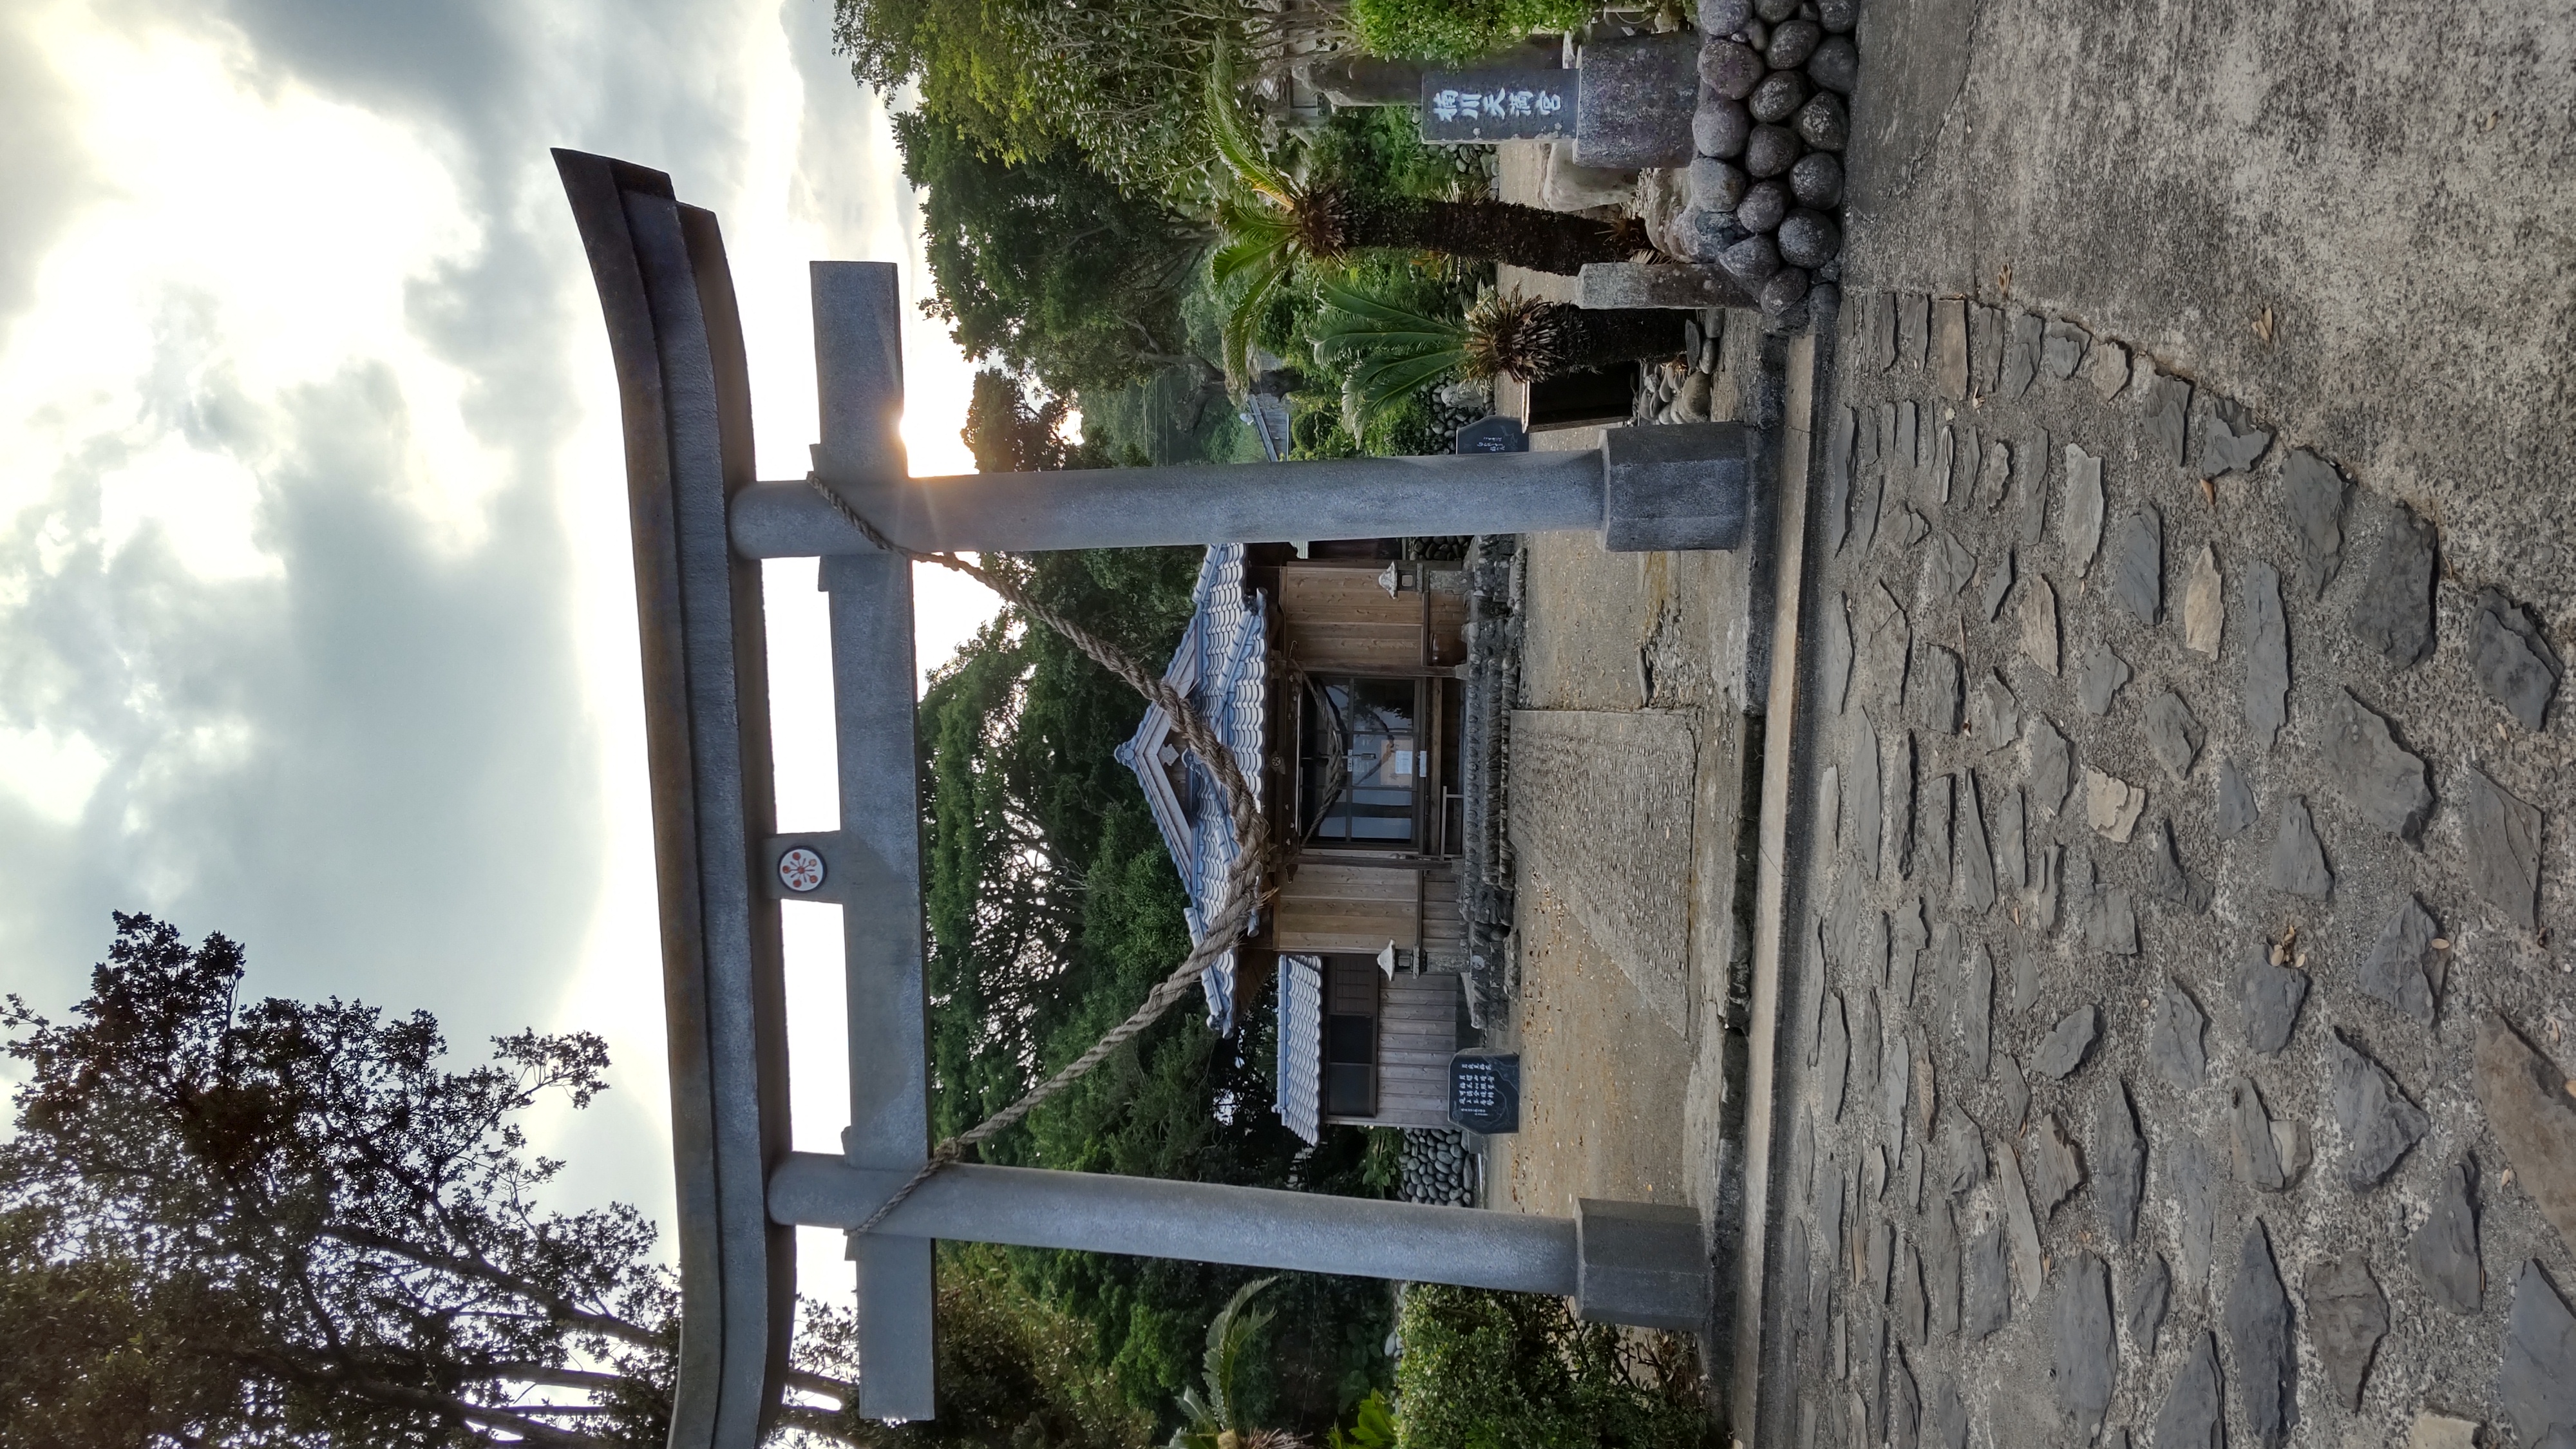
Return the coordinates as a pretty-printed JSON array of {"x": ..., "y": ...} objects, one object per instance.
[{"x": 701, "y": 524}]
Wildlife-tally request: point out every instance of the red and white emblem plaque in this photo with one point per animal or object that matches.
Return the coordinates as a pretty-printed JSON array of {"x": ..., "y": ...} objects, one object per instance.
[{"x": 800, "y": 870}]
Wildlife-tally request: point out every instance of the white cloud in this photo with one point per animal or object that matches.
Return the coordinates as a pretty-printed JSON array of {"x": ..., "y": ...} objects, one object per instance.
[
  {"x": 316, "y": 615},
  {"x": 251, "y": 240},
  {"x": 53, "y": 773},
  {"x": 205, "y": 505}
]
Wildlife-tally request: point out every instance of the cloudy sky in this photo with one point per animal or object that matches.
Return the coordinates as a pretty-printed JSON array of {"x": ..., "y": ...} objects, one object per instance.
[{"x": 316, "y": 619}]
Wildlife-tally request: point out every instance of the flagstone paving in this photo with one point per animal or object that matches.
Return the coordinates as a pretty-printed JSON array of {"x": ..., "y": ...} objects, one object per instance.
[{"x": 2209, "y": 944}]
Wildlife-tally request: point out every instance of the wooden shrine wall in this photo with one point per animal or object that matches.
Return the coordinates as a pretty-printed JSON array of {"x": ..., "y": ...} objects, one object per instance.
[
  {"x": 1417, "y": 1029},
  {"x": 1328, "y": 907},
  {"x": 1336, "y": 617}
]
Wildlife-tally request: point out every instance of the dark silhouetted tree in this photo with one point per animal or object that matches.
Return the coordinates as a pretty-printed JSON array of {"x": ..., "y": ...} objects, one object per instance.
[{"x": 286, "y": 1223}]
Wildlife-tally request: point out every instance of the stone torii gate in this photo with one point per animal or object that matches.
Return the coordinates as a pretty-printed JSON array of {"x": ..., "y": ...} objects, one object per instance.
[{"x": 701, "y": 523}]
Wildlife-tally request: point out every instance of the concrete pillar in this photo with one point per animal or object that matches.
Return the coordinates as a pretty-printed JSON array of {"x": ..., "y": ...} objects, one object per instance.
[
  {"x": 1255, "y": 1227},
  {"x": 1192, "y": 504},
  {"x": 876, "y": 856},
  {"x": 1671, "y": 487},
  {"x": 1347, "y": 78},
  {"x": 1621, "y": 1262},
  {"x": 1679, "y": 487}
]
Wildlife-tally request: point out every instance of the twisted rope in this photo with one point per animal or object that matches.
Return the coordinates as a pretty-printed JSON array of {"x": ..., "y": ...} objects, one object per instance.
[{"x": 1242, "y": 878}]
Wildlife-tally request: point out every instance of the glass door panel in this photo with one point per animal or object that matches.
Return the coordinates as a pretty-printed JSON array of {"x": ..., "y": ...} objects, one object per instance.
[{"x": 1361, "y": 761}]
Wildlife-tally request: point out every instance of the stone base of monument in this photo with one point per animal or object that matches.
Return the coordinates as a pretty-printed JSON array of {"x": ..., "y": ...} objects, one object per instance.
[
  {"x": 1641, "y": 1264},
  {"x": 1764, "y": 189},
  {"x": 1634, "y": 106},
  {"x": 1566, "y": 184}
]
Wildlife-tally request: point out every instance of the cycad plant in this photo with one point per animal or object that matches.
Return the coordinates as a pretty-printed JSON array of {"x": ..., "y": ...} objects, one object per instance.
[
  {"x": 1272, "y": 221},
  {"x": 1393, "y": 350},
  {"x": 1216, "y": 1421}
]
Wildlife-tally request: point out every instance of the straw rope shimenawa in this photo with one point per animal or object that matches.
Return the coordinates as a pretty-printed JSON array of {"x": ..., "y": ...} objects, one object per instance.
[{"x": 1242, "y": 879}]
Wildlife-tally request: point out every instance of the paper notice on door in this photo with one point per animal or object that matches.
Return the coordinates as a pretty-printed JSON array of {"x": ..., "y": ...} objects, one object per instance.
[{"x": 1404, "y": 763}]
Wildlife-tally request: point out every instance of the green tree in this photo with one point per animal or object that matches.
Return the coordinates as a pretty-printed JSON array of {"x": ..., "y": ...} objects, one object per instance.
[
  {"x": 1485, "y": 1370},
  {"x": 1014, "y": 1373},
  {"x": 1217, "y": 1419},
  {"x": 1042, "y": 265},
  {"x": 298, "y": 1199},
  {"x": 1276, "y": 223},
  {"x": 1009, "y": 434},
  {"x": 1457, "y": 31},
  {"x": 287, "y": 1223},
  {"x": 1117, "y": 78}
]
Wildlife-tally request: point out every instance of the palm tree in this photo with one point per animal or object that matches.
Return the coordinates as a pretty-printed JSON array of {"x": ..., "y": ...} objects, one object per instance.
[
  {"x": 1272, "y": 221},
  {"x": 1397, "y": 350},
  {"x": 1216, "y": 1421}
]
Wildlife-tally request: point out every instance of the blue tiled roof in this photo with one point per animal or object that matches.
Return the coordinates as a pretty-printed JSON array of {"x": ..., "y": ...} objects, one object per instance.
[
  {"x": 1222, "y": 669},
  {"x": 1301, "y": 1045}
]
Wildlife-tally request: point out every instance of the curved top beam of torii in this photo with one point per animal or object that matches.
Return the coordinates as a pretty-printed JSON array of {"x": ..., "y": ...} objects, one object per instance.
[
  {"x": 686, "y": 403},
  {"x": 701, "y": 523}
]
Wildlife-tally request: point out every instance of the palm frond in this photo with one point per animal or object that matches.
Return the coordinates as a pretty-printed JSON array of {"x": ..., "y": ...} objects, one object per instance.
[
  {"x": 1509, "y": 335},
  {"x": 1359, "y": 324},
  {"x": 1254, "y": 237},
  {"x": 1229, "y": 1336},
  {"x": 1381, "y": 383},
  {"x": 1199, "y": 1426},
  {"x": 1386, "y": 379},
  {"x": 1397, "y": 350},
  {"x": 1243, "y": 319},
  {"x": 1377, "y": 309},
  {"x": 1341, "y": 345},
  {"x": 1244, "y": 155}
]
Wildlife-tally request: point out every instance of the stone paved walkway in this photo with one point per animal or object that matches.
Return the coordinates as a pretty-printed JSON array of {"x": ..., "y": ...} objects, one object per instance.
[
  {"x": 1627, "y": 771},
  {"x": 2176, "y": 1037}
]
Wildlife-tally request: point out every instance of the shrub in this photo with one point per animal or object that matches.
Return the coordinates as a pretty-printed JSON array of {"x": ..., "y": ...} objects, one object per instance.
[
  {"x": 1379, "y": 150},
  {"x": 1485, "y": 1370},
  {"x": 1457, "y": 31},
  {"x": 1012, "y": 1370}
]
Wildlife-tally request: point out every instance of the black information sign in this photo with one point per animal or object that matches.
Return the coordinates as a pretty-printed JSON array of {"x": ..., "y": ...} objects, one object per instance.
[
  {"x": 1485, "y": 1091},
  {"x": 1515, "y": 103},
  {"x": 1500, "y": 433}
]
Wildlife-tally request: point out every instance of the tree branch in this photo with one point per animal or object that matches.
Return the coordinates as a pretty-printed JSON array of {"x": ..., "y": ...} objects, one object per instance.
[
  {"x": 561, "y": 1308},
  {"x": 533, "y": 1431},
  {"x": 822, "y": 1422},
  {"x": 463, "y": 1412},
  {"x": 814, "y": 1383},
  {"x": 538, "y": 1373}
]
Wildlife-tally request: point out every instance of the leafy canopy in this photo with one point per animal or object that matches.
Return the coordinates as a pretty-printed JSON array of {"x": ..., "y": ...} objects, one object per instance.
[
  {"x": 1042, "y": 265},
  {"x": 1458, "y": 31},
  {"x": 285, "y": 1223},
  {"x": 1485, "y": 1370},
  {"x": 296, "y": 1199},
  {"x": 1009, "y": 434},
  {"x": 1117, "y": 78}
]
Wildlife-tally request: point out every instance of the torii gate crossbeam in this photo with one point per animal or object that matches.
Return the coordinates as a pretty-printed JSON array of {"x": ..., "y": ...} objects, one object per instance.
[{"x": 701, "y": 523}]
